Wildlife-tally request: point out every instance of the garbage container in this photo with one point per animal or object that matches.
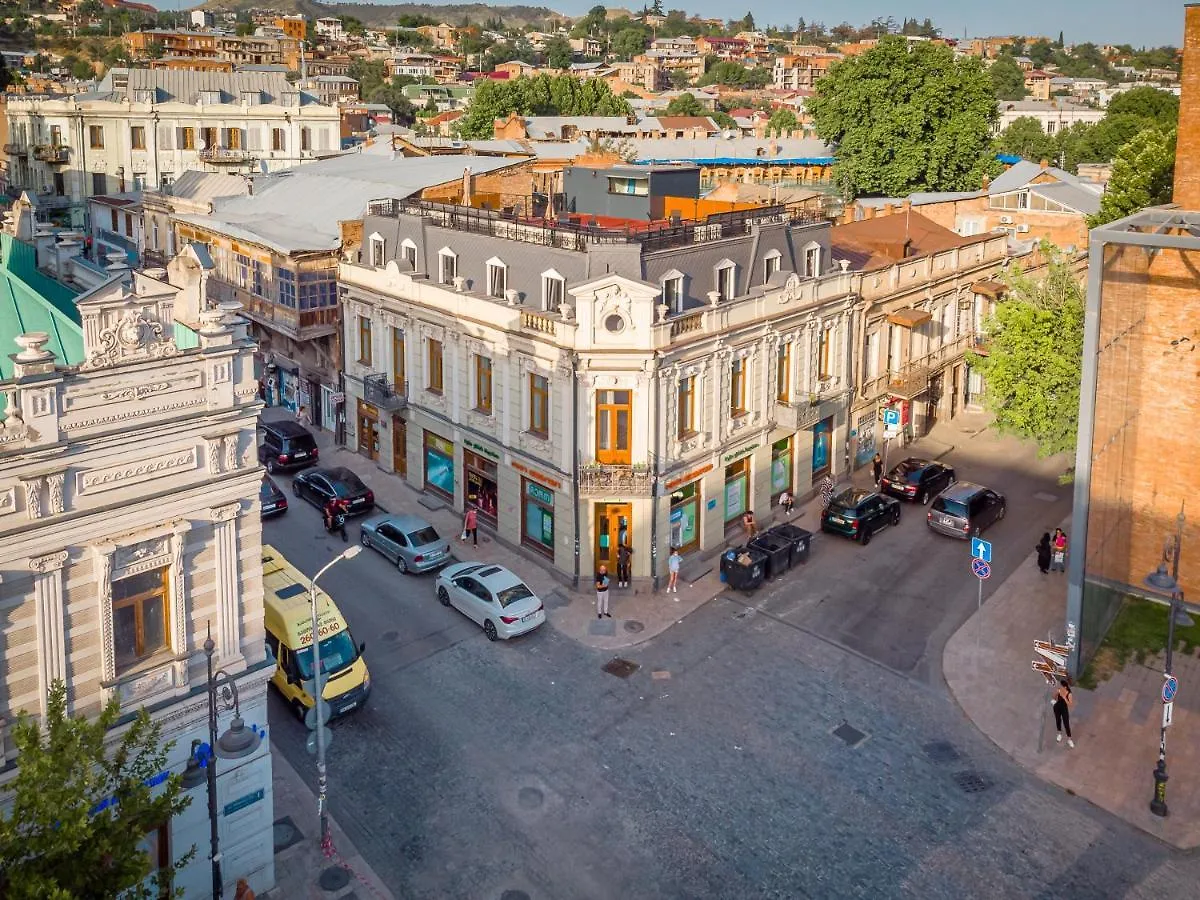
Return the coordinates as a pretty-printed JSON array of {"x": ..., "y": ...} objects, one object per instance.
[
  {"x": 778, "y": 550},
  {"x": 800, "y": 540},
  {"x": 743, "y": 568}
]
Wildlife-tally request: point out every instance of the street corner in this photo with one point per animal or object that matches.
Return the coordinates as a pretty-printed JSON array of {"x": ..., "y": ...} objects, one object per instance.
[{"x": 637, "y": 614}]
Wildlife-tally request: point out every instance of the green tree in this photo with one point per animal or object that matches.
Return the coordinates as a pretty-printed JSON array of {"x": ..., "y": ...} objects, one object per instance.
[
  {"x": 370, "y": 74},
  {"x": 628, "y": 43},
  {"x": 1102, "y": 141},
  {"x": 657, "y": 8},
  {"x": 1026, "y": 138},
  {"x": 680, "y": 79},
  {"x": 723, "y": 119},
  {"x": 1147, "y": 102},
  {"x": 782, "y": 122},
  {"x": 82, "y": 69},
  {"x": 1035, "y": 356},
  {"x": 353, "y": 26},
  {"x": 685, "y": 104},
  {"x": 1041, "y": 52},
  {"x": 80, "y": 813},
  {"x": 542, "y": 95},
  {"x": 392, "y": 96},
  {"x": 1143, "y": 175},
  {"x": 559, "y": 54},
  {"x": 906, "y": 119},
  {"x": 1008, "y": 81}
]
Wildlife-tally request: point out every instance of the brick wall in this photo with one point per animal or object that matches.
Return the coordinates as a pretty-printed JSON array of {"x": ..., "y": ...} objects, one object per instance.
[{"x": 1187, "y": 156}]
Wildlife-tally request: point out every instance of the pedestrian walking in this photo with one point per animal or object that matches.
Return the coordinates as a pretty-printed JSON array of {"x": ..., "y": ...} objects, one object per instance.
[
  {"x": 1058, "y": 544},
  {"x": 674, "y": 561},
  {"x": 877, "y": 468},
  {"x": 749, "y": 525},
  {"x": 1062, "y": 703},
  {"x": 1044, "y": 553},
  {"x": 303, "y": 416},
  {"x": 602, "y": 592},
  {"x": 471, "y": 525},
  {"x": 826, "y": 491},
  {"x": 624, "y": 565},
  {"x": 786, "y": 500}
]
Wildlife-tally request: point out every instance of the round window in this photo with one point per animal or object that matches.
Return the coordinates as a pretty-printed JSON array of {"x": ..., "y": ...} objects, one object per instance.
[{"x": 615, "y": 323}]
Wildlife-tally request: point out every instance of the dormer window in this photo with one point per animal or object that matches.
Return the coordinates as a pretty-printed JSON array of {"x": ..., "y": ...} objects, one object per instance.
[
  {"x": 672, "y": 291},
  {"x": 290, "y": 98},
  {"x": 252, "y": 98},
  {"x": 408, "y": 252},
  {"x": 771, "y": 263},
  {"x": 725, "y": 280},
  {"x": 812, "y": 260},
  {"x": 447, "y": 266},
  {"x": 210, "y": 98},
  {"x": 497, "y": 278},
  {"x": 553, "y": 290},
  {"x": 377, "y": 251},
  {"x": 140, "y": 96}
]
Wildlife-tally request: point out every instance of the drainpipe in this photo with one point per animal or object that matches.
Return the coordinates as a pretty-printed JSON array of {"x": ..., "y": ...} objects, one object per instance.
[
  {"x": 575, "y": 457},
  {"x": 656, "y": 457}
]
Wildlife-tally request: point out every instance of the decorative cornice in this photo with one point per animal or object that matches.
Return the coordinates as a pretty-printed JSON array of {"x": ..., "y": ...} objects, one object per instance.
[
  {"x": 225, "y": 513},
  {"x": 48, "y": 563}
]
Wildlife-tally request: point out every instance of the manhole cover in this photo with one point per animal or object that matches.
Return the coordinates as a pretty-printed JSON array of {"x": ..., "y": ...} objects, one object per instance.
[
  {"x": 633, "y": 626},
  {"x": 971, "y": 782},
  {"x": 391, "y": 635},
  {"x": 1044, "y": 497},
  {"x": 530, "y": 798},
  {"x": 941, "y": 751},
  {"x": 514, "y": 895},
  {"x": 334, "y": 878},
  {"x": 622, "y": 668},
  {"x": 285, "y": 834},
  {"x": 849, "y": 734}
]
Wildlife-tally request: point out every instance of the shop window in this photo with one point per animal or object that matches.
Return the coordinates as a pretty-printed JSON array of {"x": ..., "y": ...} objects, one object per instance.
[
  {"x": 687, "y": 407},
  {"x": 737, "y": 387},
  {"x": 364, "y": 340},
  {"x": 483, "y": 385},
  {"x": 537, "y": 513},
  {"x": 435, "y": 383},
  {"x": 139, "y": 616},
  {"x": 439, "y": 465},
  {"x": 781, "y": 467},
  {"x": 685, "y": 517},
  {"x": 737, "y": 490},
  {"x": 482, "y": 481},
  {"x": 539, "y": 405}
]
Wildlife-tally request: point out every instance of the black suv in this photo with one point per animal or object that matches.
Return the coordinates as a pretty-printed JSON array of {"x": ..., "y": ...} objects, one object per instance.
[
  {"x": 858, "y": 514},
  {"x": 965, "y": 510},
  {"x": 285, "y": 445},
  {"x": 917, "y": 479}
]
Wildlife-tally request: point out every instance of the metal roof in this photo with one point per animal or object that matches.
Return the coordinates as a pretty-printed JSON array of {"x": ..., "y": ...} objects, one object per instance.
[
  {"x": 204, "y": 187},
  {"x": 184, "y": 86},
  {"x": 740, "y": 151},
  {"x": 29, "y": 301}
]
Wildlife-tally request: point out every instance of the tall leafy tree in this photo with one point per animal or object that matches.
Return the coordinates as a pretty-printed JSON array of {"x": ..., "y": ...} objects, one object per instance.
[
  {"x": 559, "y": 53},
  {"x": 1146, "y": 102},
  {"x": 782, "y": 122},
  {"x": 542, "y": 95},
  {"x": 906, "y": 119},
  {"x": 1026, "y": 138},
  {"x": 81, "y": 810},
  {"x": 1143, "y": 175},
  {"x": 1008, "y": 81},
  {"x": 628, "y": 43},
  {"x": 685, "y": 104},
  {"x": 1035, "y": 356}
]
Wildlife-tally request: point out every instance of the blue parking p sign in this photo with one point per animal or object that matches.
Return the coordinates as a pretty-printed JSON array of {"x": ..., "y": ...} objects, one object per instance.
[
  {"x": 981, "y": 549},
  {"x": 891, "y": 417}
]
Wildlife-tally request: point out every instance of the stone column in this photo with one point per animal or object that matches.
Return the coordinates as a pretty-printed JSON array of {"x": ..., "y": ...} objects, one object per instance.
[
  {"x": 228, "y": 584},
  {"x": 51, "y": 623}
]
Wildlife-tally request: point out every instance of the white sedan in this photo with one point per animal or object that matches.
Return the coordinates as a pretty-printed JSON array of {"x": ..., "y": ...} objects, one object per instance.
[{"x": 491, "y": 596}]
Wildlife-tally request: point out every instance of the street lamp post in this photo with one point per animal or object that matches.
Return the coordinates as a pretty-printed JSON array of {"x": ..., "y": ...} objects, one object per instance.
[
  {"x": 319, "y": 688},
  {"x": 1165, "y": 583},
  {"x": 238, "y": 741}
]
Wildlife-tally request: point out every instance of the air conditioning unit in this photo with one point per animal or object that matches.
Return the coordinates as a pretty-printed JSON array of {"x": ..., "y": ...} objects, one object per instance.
[
  {"x": 1006, "y": 220},
  {"x": 1022, "y": 229}
]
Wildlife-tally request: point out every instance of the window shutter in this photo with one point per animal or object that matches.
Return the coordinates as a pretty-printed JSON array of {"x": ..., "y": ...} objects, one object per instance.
[
  {"x": 252, "y": 139},
  {"x": 166, "y": 137},
  {"x": 225, "y": 137},
  {"x": 323, "y": 138}
]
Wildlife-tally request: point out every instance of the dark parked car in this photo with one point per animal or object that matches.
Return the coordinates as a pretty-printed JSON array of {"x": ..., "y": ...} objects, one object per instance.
[
  {"x": 965, "y": 509},
  {"x": 858, "y": 514},
  {"x": 917, "y": 479},
  {"x": 317, "y": 486},
  {"x": 271, "y": 498},
  {"x": 286, "y": 445}
]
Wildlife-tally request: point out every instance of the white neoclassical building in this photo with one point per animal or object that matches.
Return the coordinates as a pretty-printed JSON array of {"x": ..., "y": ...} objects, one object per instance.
[{"x": 129, "y": 528}]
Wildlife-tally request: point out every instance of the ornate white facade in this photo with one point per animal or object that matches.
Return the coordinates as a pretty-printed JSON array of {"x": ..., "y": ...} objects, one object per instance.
[{"x": 129, "y": 527}]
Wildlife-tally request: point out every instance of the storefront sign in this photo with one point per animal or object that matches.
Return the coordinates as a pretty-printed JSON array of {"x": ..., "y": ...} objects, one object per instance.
[
  {"x": 537, "y": 476},
  {"x": 479, "y": 448},
  {"x": 690, "y": 476},
  {"x": 539, "y": 493},
  {"x": 738, "y": 454},
  {"x": 242, "y": 802}
]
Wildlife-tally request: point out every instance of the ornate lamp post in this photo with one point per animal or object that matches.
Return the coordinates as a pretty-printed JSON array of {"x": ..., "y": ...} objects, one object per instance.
[
  {"x": 1162, "y": 582},
  {"x": 236, "y": 742}
]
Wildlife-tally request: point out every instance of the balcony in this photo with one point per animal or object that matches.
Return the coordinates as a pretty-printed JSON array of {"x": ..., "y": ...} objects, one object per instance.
[
  {"x": 615, "y": 480},
  {"x": 50, "y": 153},
  {"x": 16, "y": 150},
  {"x": 803, "y": 414},
  {"x": 226, "y": 156},
  {"x": 382, "y": 394}
]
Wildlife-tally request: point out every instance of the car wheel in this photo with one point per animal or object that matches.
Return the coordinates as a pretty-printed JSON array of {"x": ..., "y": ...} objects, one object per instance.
[
  {"x": 1003, "y": 510},
  {"x": 299, "y": 709},
  {"x": 296, "y": 488},
  {"x": 866, "y": 536},
  {"x": 443, "y": 597},
  {"x": 924, "y": 497},
  {"x": 272, "y": 466},
  {"x": 401, "y": 565},
  {"x": 489, "y": 628},
  {"x": 975, "y": 531},
  {"x": 363, "y": 539},
  {"x": 896, "y": 517}
]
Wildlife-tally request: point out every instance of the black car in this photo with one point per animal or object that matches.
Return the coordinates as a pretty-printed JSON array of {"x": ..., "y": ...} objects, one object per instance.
[
  {"x": 271, "y": 499},
  {"x": 318, "y": 485},
  {"x": 286, "y": 445},
  {"x": 858, "y": 514},
  {"x": 917, "y": 479}
]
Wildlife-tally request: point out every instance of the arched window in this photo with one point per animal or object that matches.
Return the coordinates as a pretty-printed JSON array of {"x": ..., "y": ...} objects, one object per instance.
[
  {"x": 497, "y": 278},
  {"x": 378, "y": 248}
]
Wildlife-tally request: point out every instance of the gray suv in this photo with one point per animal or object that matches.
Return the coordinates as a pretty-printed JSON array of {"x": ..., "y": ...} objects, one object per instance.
[{"x": 964, "y": 509}]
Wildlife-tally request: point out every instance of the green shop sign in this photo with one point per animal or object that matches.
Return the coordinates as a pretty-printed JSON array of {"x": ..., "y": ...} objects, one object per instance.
[
  {"x": 242, "y": 802},
  {"x": 738, "y": 454},
  {"x": 479, "y": 448}
]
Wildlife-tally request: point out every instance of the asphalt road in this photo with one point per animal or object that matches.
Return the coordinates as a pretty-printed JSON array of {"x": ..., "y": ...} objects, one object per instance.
[{"x": 720, "y": 767}]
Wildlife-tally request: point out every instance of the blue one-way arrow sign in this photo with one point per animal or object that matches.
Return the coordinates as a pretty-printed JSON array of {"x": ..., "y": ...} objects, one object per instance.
[{"x": 981, "y": 549}]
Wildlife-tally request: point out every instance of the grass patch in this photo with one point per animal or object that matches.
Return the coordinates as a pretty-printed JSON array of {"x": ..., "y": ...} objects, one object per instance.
[{"x": 1138, "y": 633}]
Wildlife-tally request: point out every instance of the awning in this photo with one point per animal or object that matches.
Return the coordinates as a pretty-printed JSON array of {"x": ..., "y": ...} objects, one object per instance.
[
  {"x": 990, "y": 288},
  {"x": 909, "y": 317}
]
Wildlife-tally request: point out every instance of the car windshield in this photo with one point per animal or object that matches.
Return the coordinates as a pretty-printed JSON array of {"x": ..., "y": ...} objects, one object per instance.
[
  {"x": 908, "y": 471},
  {"x": 837, "y": 509},
  {"x": 346, "y": 485},
  {"x": 301, "y": 443},
  {"x": 951, "y": 507},
  {"x": 511, "y": 595},
  {"x": 423, "y": 536},
  {"x": 337, "y": 652},
  {"x": 266, "y": 490}
]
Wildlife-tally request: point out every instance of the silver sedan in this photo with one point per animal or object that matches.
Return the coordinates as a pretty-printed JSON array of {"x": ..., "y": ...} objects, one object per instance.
[{"x": 409, "y": 541}]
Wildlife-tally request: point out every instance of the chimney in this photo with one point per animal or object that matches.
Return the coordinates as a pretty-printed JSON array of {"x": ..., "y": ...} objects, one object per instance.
[
  {"x": 906, "y": 206},
  {"x": 1187, "y": 153},
  {"x": 888, "y": 209},
  {"x": 1045, "y": 163},
  {"x": 987, "y": 182}
]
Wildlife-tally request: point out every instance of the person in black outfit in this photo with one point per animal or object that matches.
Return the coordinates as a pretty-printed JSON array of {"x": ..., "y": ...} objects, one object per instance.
[
  {"x": 877, "y": 467},
  {"x": 1043, "y": 553},
  {"x": 624, "y": 565},
  {"x": 1063, "y": 701}
]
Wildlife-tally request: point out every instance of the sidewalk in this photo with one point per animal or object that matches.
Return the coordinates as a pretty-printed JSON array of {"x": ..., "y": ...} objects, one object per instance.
[
  {"x": 302, "y": 870},
  {"x": 987, "y": 668}
]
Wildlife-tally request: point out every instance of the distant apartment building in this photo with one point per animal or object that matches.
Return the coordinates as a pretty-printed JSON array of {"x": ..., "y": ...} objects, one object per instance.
[
  {"x": 142, "y": 128},
  {"x": 294, "y": 27},
  {"x": 331, "y": 89},
  {"x": 1053, "y": 115},
  {"x": 587, "y": 47},
  {"x": 1037, "y": 84},
  {"x": 331, "y": 28},
  {"x": 444, "y": 37},
  {"x": 256, "y": 49},
  {"x": 726, "y": 48},
  {"x": 791, "y": 72},
  {"x": 444, "y": 70}
]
